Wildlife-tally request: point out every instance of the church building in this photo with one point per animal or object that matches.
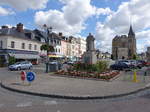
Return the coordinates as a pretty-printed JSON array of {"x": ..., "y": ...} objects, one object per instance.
[{"x": 124, "y": 47}]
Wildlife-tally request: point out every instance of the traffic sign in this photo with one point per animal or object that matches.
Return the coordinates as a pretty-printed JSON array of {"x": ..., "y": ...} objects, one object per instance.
[{"x": 30, "y": 76}]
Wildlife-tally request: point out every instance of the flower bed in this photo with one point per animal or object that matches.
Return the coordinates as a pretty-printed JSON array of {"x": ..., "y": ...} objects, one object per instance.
[{"x": 104, "y": 76}]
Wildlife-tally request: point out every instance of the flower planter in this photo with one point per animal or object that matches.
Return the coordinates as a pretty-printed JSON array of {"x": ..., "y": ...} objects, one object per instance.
[{"x": 104, "y": 76}]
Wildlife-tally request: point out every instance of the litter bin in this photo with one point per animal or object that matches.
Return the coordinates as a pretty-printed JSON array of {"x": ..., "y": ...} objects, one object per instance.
[
  {"x": 53, "y": 67},
  {"x": 59, "y": 66}
]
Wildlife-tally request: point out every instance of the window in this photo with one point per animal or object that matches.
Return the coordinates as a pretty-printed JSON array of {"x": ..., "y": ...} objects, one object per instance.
[
  {"x": 56, "y": 49},
  {"x": 12, "y": 44},
  {"x": 72, "y": 46},
  {"x": 23, "y": 46},
  {"x": 52, "y": 41},
  {"x": 35, "y": 47},
  {"x": 58, "y": 42},
  {"x": 55, "y": 41},
  {"x": 30, "y": 46},
  {"x": 1, "y": 44}
]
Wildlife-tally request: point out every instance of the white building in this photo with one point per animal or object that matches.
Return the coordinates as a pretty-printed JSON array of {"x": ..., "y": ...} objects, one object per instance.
[
  {"x": 21, "y": 43},
  {"x": 55, "y": 41},
  {"x": 74, "y": 48},
  {"x": 82, "y": 46}
]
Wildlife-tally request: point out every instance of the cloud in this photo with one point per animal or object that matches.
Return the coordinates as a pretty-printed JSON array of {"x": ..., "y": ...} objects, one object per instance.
[
  {"x": 5, "y": 12},
  {"x": 135, "y": 12},
  {"x": 56, "y": 19},
  {"x": 25, "y": 4},
  {"x": 103, "y": 11},
  {"x": 72, "y": 16}
]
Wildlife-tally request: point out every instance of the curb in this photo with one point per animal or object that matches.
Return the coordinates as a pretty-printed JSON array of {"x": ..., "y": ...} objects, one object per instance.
[{"x": 72, "y": 97}]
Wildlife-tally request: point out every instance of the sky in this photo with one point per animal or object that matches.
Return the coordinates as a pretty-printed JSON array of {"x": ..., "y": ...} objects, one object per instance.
[{"x": 103, "y": 18}]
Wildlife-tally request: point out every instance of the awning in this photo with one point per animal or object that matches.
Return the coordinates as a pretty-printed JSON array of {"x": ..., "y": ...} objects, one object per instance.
[
  {"x": 25, "y": 56},
  {"x": 54, "y": 56}
]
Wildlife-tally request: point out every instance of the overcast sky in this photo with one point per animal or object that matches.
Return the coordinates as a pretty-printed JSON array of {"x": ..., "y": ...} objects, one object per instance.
[{"x": 103, "y": 18}]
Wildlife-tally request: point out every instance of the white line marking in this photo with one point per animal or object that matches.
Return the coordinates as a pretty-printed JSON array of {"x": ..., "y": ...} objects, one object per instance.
[
  {"x": 58, "y": 110},
  {"x": 25, "y": 104},
  {"x": 50, "y": 103}
]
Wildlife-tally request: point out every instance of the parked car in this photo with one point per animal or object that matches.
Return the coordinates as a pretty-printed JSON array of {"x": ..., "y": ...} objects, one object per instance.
[
  {"x": 21, "y": 65},
  {"x": 142, "y": 62},
  {"x": 34, "y": 63},
  {"x": 147, "y": 63},
  {"x": 119, "y": 66},
  {"x": 132, "y": 63},
  {"x": 70, "y": 62}
]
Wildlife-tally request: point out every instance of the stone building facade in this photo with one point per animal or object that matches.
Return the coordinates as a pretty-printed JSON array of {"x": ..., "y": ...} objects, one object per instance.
[
  {"x": 148, "y": 54},
  {"x": 124, "y": 47}
]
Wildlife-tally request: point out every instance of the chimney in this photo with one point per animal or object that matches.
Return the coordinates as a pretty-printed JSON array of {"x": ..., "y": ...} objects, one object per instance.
[
  {"x": 4, "y": 26},
  {"x": 20, "y": 27},
  {"x": 60, "y": 34}
]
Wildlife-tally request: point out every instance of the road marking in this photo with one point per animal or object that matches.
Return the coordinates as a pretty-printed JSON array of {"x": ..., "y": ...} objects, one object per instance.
[
  {"x": 50, "y": 103},
  {"x": 25, "y": 104},
  {"x": 58, "y": 110}
]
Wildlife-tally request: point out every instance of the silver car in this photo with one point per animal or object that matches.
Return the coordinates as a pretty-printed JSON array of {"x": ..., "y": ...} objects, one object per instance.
[{"x": 21, "y": 65}]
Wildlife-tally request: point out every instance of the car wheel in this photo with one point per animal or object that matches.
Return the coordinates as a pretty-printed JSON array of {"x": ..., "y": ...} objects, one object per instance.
[
  {"x": 18, "y": 68},
  {"x": 30, "y": 67}
]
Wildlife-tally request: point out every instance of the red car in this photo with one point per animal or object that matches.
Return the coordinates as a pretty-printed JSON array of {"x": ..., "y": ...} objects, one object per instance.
[{"x": 147, "y": 63}]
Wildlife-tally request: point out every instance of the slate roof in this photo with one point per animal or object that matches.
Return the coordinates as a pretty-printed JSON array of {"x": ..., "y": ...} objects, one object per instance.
[
  {"x": 131, "y": 31},
  {"x": 35, "y": 35}
]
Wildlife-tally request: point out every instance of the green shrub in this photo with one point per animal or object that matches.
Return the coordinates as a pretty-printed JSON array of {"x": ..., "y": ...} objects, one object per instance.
[
  {"x": 101, "y": 66},
  {"x": 11, "y": 60}
]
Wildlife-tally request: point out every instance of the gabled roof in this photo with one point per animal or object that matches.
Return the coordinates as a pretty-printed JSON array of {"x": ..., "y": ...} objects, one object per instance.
[{"x": 25, "y": 34}]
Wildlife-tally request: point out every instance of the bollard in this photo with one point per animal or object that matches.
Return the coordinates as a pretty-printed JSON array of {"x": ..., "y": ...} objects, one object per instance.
[
  {"x": 145, "y": 74},
  {"x": 135, "y": 76},
  {"x": 23, "y": 76}
]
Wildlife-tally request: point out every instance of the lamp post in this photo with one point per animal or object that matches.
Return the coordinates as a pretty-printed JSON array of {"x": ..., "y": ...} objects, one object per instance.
[{"x": 48, "y": 31}]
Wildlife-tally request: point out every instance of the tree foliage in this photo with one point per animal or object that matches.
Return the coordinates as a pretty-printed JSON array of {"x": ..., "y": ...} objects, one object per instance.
[
  {"x": 11, "y": 60},
  {"x": 100, "y": 66},
  {"x": 135, "y": 57},
  {"x": 46, "y": 47}
]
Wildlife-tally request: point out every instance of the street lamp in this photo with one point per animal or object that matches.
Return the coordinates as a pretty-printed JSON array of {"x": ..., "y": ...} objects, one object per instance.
[{"x": 48, "y": 31}]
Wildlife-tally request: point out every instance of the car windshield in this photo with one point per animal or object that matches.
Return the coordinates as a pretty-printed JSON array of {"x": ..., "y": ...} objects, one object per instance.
[{"x": 17, "y": 63}]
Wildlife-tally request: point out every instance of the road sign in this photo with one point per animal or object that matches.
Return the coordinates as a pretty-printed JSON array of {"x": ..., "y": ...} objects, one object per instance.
[
  {"x": 30, "y": 76},
  {"x": 23, "y": 75}
]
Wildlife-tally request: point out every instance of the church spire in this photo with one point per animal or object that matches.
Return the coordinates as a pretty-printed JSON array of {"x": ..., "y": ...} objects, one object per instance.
[{"x": 131, "y": 31}]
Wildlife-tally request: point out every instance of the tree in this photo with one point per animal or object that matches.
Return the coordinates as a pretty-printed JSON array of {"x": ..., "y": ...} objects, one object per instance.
[
  {"x": 134, "y": 57},
  {"x": 48, "y": 48},
  {"x": 11, "y": 60}
]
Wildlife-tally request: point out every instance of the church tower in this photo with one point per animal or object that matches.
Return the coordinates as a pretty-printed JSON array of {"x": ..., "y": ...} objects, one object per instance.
[{"x": 131, "y": 43}]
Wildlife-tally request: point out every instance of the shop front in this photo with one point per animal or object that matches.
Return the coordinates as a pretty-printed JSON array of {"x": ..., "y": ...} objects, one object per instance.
[{"x": 19, "y": 55}]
